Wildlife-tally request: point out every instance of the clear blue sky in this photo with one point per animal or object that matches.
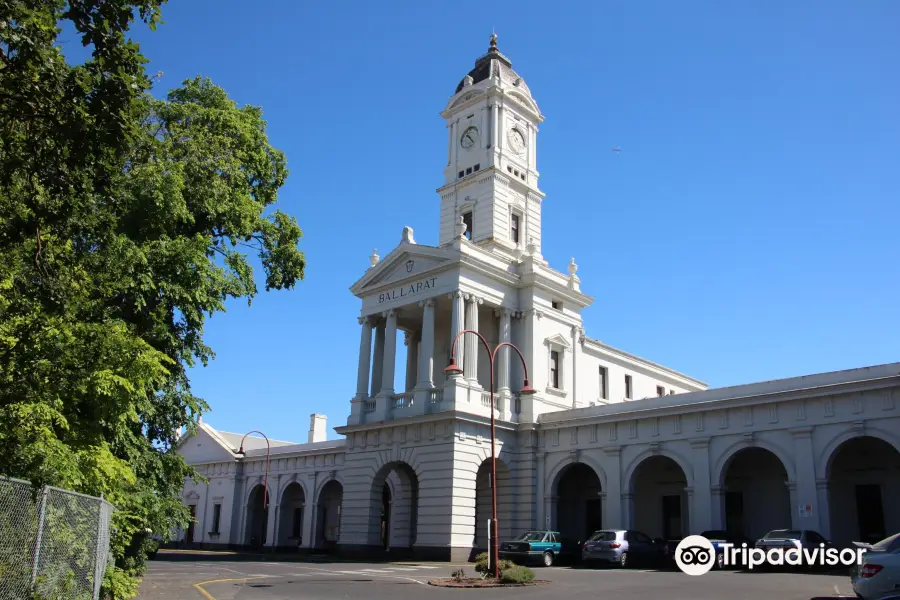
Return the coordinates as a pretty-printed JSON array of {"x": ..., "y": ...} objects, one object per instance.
[{"x": 747, "y": 231}]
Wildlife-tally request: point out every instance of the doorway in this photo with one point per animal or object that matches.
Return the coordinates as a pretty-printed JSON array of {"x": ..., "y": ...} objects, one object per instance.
[
  {"x": 189, "y": 538},
  {"x": 671, "y": 514},
  {"x": 870, "y": 513},
  {"x": 593, "y": 516}
]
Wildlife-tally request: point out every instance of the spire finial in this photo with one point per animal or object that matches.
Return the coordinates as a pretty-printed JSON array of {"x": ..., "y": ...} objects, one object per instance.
[{"x": 493, "y": 39}]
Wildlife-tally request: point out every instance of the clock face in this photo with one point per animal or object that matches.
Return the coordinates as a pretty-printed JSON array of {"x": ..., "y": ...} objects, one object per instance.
[
  {"x": 469, "y": 137},
  {"x": 516, "y": 140}
]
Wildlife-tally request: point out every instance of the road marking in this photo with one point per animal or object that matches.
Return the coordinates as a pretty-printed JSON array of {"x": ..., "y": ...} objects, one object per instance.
[
  {"x": 209, "y": 596},
  {"x": 370, "y": 574}
]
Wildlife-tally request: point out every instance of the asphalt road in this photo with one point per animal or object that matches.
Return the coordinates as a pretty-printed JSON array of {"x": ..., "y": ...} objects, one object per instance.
[{"x": 229, "y": 577}]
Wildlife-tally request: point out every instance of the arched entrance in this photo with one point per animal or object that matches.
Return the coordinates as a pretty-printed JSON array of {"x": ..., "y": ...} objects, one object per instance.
[
  {"x": 290, "y": 518},
  {"x": 661, "y": 508},
  {"x": 328, "y": 517},
  {"x": 483, "y": 504},
  {"x": 257, "y": 517},
  {"x": 864, "y": 490},
  {"x": 579, "y": 506},
  {"x": 756, "y": 496},
  {"x": 394, "y": 507}
]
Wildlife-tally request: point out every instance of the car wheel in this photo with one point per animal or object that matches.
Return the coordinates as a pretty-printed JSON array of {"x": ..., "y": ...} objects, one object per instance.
[
  {"x": 623, "y": 561},
  {"x": 720, "y": 561},
  {"x": 548, "y": 559}
]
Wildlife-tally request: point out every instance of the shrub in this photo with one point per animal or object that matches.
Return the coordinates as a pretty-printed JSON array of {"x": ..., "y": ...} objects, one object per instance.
[
  {"x": 482, "y": 564},
  {"x": 517, "y": 574},
  {"x": 458, "y": 574}
]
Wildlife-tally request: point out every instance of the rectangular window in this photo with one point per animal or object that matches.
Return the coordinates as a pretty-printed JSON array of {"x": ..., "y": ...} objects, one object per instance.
[
  {"x": 660, "y": 391},
  {"x": 554, "y": 369},
  {"x": 556, "y": 304},
  {"x": 671, "y": 392},
  {"x": 603, "y": 383},
  {"x": 297, "y": 524},
  {"x": 462, "y": 174},
  {"x": 467, "y": 219},
  {"x": 217, "y": 517},
  {"x": 477, "y": 167},
  {"x": 469, "y": 171},
  {"x": 628, "y": 386},
  {"x": 514, "y": 229}
]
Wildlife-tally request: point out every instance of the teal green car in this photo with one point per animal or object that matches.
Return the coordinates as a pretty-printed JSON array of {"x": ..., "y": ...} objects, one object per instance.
[{"x": 542, "y": 547}]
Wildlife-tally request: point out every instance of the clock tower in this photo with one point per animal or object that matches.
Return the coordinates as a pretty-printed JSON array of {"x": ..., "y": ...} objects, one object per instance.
[{"x": 491, "y": 177}]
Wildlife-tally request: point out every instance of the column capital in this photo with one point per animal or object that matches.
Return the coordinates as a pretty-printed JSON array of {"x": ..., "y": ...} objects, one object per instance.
[
  {"x": 391, "y": 313},
  {"x": 407, "y": 337},
  {"x": 427, "y": 303},
  {"x": 503, "y": 311},
  {"x": 456, "y": 294},
  {"x": 717, "y": 490},
  {"x": 791, "y": 485},
  {"x": 612, "y": 451}
]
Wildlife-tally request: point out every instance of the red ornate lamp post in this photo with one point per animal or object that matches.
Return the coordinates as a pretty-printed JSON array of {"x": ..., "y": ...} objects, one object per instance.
[
  {"x": 453, "y": 369},
  {"x": 268, "y": 452}
]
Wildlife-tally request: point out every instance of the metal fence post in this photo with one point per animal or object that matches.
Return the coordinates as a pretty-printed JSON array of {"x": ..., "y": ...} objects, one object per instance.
[
  {"x": 97, "y": 561},
  {"x": 40, "y": 534}
]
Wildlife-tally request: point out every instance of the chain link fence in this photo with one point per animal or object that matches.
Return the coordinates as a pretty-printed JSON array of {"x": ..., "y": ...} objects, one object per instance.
[{"x": 54, "y": 544}]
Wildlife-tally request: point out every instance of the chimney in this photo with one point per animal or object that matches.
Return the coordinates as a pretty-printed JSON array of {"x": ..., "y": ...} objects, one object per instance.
[{"x": 317, "y": 428}]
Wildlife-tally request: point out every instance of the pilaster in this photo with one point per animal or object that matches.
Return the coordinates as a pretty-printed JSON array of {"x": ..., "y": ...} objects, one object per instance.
[
  {"x": 701, "y": 502},
  {"x": 613, "y": 514},
  {"x": 805, "y": 493}
]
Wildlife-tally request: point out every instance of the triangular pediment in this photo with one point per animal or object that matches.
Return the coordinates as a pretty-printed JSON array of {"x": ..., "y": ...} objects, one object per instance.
[
  {"x": 558, "y": 340},
  {"x": 407, "y": 261},
  {"x": 204, "y": 446}
]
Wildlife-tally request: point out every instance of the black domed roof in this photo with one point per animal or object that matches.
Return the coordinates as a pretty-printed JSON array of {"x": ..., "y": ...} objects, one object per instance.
[{"x": 493, "y": 59}]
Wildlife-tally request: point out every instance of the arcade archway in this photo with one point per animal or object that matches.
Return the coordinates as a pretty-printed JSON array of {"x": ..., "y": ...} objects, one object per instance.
[
  {"x": 257, "y": 517},
  {"x": 661, "y": 508},
  {"x": 290, "y": 518},
  {"x": 394, "y": 504},
  {"x": 864, "y": 490},
  {"x": 579, "y": 506},
  {"x": 756, "y": 495},
  {"x": 328, "y": 517}
]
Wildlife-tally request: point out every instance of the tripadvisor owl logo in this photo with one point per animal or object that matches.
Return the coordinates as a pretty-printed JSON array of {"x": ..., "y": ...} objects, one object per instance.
[{"x": 695, "y": 555}]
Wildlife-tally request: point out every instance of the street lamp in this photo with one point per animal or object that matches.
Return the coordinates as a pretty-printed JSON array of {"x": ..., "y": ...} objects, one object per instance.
[
  {"x": 527, "y": 390},
  {"x": 268, "y": 451}
]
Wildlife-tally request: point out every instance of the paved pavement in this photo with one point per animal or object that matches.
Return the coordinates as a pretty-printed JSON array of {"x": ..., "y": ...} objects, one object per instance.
[{"x": 234, "y": 577}]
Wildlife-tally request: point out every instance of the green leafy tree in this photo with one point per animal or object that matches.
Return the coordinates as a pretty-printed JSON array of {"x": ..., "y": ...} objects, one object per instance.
[{"x": 125, "y": 221}]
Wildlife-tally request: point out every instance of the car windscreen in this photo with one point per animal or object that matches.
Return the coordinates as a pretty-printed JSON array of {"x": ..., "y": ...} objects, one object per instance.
[
  {"x": 783, "y": 534},
  {"x": 531, "y": 536},
  {"x": 603, "y": 536},
  {"x": 715, "y": 535}
]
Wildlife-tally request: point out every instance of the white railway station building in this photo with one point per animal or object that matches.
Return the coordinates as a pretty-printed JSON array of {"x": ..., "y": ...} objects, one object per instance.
[{"x": 608, "y": 440}]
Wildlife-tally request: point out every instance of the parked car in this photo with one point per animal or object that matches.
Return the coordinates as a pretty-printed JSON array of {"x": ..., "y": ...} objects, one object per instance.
[
  {"x": 788, "y": 539},
  {"x": 542, "y": 547},
  {"x": 669, "y": 547},
  {"x": 623, "y": 547},
  {"x": 719, "y": 538},
  {"x": 878, "y": 577}
]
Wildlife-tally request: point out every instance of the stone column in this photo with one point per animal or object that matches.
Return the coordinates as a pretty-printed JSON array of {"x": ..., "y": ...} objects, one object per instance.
[
  {"x": 718, "y": 507},
  {"x": 495, "y": 126},
  {"x": 390, "y": 353},
  {"x": 272, "y": 515},
  {"x": 378, "y": 361},
  {"x": 411, "y": 341},
  {"x": 505, "y": 354},
  {"x": 365, "y": 358},
  {"x": 700, "y": 510},
  {"x": 456, "y": 326},
  {"x": 426, "y": 348},
  {"x": 824, "y": 508},
  {"x": 613, "y": 514},
  {"x": 806, "y": 492},
  {"x": 472, "y": 341},
  {"x": 540, "y": 492}
]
